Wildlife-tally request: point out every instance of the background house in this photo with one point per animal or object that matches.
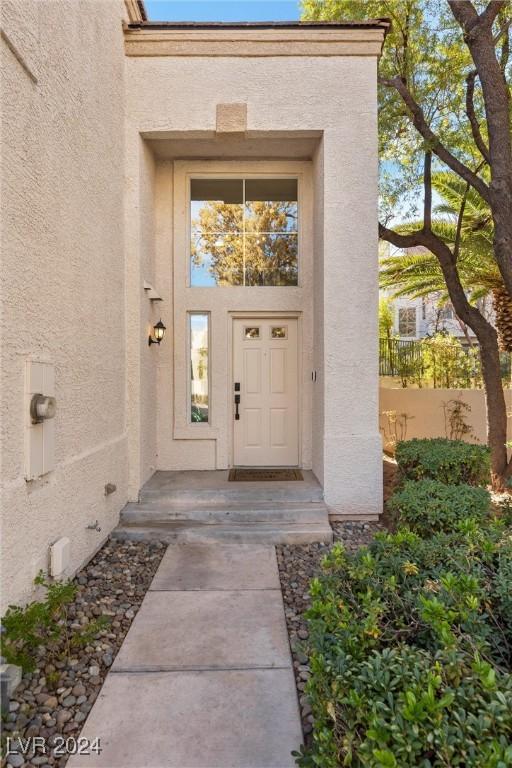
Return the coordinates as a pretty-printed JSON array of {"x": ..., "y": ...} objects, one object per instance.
[{"x": 416, "y": 318}]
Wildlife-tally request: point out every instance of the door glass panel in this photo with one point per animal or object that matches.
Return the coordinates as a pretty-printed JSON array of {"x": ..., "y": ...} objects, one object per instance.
[
  {"x": 252, "y": 332},
  {"x": 244, "y": 232},
  {"x": 199, "y": 368},
  {"x": 279, "y": 332}
]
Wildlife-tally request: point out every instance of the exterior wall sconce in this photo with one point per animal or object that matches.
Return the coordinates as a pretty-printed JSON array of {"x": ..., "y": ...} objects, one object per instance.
[{"x": 158, "y": 333}]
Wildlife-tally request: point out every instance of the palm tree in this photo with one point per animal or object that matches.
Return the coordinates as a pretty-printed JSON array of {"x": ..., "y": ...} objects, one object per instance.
[{"x": 416, "y": 272}]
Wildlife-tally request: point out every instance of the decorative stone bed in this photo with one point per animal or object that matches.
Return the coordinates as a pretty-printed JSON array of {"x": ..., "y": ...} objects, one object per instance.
[
  {"x": 54, "y": 701},
  {"x": 297, "y": 566}
]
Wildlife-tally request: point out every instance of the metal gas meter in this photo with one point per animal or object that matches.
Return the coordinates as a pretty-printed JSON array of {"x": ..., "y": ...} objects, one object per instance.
[{"x": 42, "y": 407}]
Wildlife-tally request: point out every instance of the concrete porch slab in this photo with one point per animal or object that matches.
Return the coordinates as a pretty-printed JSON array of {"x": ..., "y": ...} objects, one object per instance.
[
  {"x": 220, "y": 719},
  {"x": 213, "y": 486},
  {"x": 206, "y": 630},
  {"x": 216, "y": 479},
  {"x": 199, "y": 567}
]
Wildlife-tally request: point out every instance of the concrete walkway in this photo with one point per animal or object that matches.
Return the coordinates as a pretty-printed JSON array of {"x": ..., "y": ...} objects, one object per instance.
[{"x": 204, "y": 678}]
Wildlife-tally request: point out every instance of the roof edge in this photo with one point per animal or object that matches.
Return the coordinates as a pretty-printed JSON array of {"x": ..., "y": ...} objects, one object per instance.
[
  {"x": 136, "y": 11},
  {"x": 380, "y": 23}
]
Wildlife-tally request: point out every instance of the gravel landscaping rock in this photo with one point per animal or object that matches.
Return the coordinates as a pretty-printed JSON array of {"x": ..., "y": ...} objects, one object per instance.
[
  {"x": 297, "y": 566},
  {"x": 55, "y": 699}
]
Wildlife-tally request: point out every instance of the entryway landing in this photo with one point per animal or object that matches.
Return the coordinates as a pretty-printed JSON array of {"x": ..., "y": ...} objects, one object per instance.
[
  {"x": 205, "y": 507},
  {"x": 215, "y": 486}
]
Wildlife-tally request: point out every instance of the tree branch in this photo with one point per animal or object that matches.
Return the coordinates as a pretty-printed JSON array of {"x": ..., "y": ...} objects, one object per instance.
[
  {"x": 470, "y": 111},
  {"x": 479, "y": 39},
  {"x": 429, "y": 240},
  {"x": 460, "y": 218},
  {"x": 467, "y": 15},
  {"x": 435, "y": 144},
  {"x": 409, "y": 240},
  {"x": 427, "y": 197},
  {"x": 502, "y": 32},
  {"x": 488, "y": 16},
  {"x": 505, "y": 47}
]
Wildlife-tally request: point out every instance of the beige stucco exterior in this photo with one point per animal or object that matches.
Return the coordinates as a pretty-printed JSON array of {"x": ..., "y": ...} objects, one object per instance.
[
  {"x": 101, "y": 131},
  {"x": 172, "y": 100},
  {"x": 63, "y": 275}
]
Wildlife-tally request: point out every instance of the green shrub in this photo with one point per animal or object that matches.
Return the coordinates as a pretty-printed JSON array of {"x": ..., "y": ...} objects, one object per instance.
[
  {"x": 449, "y": 461},
  {"x": 44, "y": 623},
  {"x": 407, "y": 707},
  {"x": 428, "y": 506},
  {"x": 431, "y": 592},
  {"x": 410, "y": 651}
]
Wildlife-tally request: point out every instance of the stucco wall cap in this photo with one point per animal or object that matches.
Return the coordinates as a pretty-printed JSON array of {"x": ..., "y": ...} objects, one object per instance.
[
  {"x": 381, "y": 23},
  {"x": 210, "y": 39}
]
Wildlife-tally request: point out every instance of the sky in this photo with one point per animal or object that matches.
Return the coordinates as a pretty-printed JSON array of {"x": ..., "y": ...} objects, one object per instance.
[{"x": 222, "y": 10}]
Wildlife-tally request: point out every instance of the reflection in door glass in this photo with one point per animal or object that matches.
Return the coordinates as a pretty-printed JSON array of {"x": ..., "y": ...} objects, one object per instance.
[
  {"x": 252, "y": 333},
  {"x": 244, "y": 232},
  {"x": 279, "y": 332},
  {"x": 199, "y": 368}
]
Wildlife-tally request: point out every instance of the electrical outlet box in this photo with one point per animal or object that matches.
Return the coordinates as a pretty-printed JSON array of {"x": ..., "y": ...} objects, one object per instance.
[
  {"x": 39, "y": 435},
  {"x": 60, "y": 554}
]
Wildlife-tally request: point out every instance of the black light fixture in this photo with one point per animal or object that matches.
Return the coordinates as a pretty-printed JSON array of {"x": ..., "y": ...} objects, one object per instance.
[{"x": 158, "y": 333}]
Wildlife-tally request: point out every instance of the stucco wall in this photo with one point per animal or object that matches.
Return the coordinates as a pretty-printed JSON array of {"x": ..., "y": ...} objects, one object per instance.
[
  {"x": 62, "y": 274},
  {"x": 318, "y": 288},
  {"x": 175, "y": 98},
  {"x": 141, "y": 314},
  {"x": 426, "y": 415}
]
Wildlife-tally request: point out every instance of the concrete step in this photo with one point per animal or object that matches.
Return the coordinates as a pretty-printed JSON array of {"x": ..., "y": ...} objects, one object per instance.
[
  {"x": 197, "y": 532},
  {"x": 233, "y": 512},
  {"x": 249, "y": 492}
]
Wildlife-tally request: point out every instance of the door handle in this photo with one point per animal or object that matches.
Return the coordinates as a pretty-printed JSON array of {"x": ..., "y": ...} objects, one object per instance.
[{"x": 237, "y": 403}]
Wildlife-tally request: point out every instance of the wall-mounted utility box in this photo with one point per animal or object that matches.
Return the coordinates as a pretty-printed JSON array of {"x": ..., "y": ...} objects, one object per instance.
[
  {"x": 60, "y": 553},
  {"x": 40, "y": 436}
]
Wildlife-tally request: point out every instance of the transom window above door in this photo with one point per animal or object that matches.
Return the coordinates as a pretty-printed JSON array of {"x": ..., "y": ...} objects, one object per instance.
[{"x": 243, "y": 232}]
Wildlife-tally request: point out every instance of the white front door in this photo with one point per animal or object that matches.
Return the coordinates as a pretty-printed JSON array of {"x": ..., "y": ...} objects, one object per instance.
[{"x": 265, "y": 380}]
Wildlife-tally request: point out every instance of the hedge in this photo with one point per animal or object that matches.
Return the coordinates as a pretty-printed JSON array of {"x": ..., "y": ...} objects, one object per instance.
[
  {"x": 384, "y": 619},
  {"x": 410, "y": 638},
  {"x": 449, "y": 461},
  {"x": 428, "y": 506}
]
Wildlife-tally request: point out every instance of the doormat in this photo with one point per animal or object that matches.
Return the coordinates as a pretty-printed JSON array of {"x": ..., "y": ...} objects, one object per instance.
[{"x": 257, "y": 474}]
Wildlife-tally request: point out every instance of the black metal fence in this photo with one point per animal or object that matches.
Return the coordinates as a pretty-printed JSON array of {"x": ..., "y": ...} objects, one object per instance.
[
  {"x": 397, "y": 354},
  {"x": 425, "y": 363}
]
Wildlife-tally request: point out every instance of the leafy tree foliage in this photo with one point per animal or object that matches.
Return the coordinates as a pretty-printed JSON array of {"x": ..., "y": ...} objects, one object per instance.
[{"x": 417, "y": 273}]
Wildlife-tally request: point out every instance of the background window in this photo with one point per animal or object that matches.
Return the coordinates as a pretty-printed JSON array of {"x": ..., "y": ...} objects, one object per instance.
[
  {"x": 199, "y": 368},
  {"x": 244, "y": 232},
  {"x": 407, "y": 321},
  {"x": 446, "y": 312}
]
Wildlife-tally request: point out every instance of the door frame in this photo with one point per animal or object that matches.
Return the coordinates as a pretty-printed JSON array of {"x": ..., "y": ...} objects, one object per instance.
[{"x": 265, "y": 315}]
